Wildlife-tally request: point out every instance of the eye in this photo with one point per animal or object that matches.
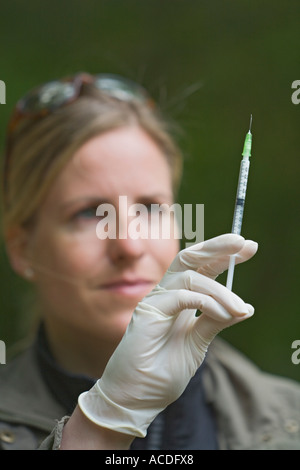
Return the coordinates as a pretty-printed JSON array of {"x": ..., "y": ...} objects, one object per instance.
[
  {"x": 86, "y": 213},
  {"x": 158, "y": 208},
  {"x": 155, "y": 205},
  {"x": 149, "y": 207}
]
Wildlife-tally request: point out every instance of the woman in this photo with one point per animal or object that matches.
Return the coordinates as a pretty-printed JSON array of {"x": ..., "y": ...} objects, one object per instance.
[{"x": 75, "y": 146}]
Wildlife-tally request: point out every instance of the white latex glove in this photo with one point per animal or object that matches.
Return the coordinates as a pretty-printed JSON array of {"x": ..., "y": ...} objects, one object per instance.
[{"x": 165, "y": 342}]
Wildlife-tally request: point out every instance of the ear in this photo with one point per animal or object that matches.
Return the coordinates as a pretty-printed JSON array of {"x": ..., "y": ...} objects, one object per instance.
[{"x": 17, "y": 247}]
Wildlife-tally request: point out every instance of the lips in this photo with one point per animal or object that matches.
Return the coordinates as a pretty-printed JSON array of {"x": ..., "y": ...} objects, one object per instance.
[{"x": 129, "y": 288}]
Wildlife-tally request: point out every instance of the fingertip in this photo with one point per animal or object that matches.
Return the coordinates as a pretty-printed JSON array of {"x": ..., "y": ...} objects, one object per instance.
[
  {"x": 250, "y": 311},
  {"x": 253, "y": 245}
]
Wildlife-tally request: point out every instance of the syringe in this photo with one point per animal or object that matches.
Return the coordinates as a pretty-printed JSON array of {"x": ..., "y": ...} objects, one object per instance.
[{"x": 240, "y": 199}]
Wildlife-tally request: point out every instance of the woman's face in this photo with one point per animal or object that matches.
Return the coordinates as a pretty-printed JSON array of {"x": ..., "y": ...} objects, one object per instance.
[{"x": 90, "y": 284}]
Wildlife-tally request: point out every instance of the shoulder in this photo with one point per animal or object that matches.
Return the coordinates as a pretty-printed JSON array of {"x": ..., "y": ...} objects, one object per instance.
[
  {"x": 254, "y": 409},
  {"x": 28, "y": 411}
]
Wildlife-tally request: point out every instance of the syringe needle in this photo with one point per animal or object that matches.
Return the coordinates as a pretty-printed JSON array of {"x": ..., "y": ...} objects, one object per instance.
[{"x": 250, "y": 123}]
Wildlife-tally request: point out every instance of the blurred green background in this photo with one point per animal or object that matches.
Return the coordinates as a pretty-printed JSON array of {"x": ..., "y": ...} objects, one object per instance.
[{"x": 209, "y": 64}]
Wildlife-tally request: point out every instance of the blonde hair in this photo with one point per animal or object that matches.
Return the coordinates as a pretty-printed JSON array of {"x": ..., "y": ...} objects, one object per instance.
[{"x": 39, "y": 148}]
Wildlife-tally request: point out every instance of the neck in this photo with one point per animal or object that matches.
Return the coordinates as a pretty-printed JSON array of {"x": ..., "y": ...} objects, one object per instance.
[{"x": 77, "y": 352}]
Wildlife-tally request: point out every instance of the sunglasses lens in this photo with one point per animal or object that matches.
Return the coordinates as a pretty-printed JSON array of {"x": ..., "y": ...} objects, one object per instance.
[
  {"x": 120, "y": 88},
  {"x": 50, "y": 96}
]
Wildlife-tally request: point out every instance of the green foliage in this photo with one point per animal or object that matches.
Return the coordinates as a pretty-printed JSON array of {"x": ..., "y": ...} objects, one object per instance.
[{"x": 241, "y": 57}]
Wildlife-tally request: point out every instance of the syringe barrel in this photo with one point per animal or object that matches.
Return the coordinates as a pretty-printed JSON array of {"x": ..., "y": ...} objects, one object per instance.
[{"x": 240, "y": 196}]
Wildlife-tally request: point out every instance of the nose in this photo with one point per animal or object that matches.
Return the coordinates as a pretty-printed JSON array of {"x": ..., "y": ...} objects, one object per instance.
[
  {"x": 122, "y": 250},
  {"x": 125, "y": 247}
]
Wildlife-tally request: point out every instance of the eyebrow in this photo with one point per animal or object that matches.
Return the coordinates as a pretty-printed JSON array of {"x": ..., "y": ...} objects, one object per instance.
[{"x": 97, "y": 201}]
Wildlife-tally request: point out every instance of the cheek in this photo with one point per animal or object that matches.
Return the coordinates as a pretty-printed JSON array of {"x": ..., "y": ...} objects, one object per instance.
[
  {"x": 164, "y": 252},
  {"x": 81, "y": 258},
  {"x": 73, "y": 256}
]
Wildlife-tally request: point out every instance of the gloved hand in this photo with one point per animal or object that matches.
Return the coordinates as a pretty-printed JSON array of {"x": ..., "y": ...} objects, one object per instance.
[{"x": 165, "y": 342}]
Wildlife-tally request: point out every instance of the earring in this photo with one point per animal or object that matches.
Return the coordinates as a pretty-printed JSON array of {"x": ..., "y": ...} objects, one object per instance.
[{"x": 28, "y": 273}]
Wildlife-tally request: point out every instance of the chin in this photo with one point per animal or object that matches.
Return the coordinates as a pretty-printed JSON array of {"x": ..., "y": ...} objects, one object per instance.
[{"x": 117, "y": 327}]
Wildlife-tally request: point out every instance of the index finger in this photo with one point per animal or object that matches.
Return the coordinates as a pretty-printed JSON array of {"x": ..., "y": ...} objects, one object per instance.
[{"x": 204, "y": 253}]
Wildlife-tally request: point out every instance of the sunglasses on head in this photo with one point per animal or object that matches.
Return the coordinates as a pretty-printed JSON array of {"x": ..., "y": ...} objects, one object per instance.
[{"x": 52, "y": 95}]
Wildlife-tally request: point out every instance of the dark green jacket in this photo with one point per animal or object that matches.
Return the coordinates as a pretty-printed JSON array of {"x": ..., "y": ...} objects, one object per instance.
[{"x": 254, "y": 410}]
